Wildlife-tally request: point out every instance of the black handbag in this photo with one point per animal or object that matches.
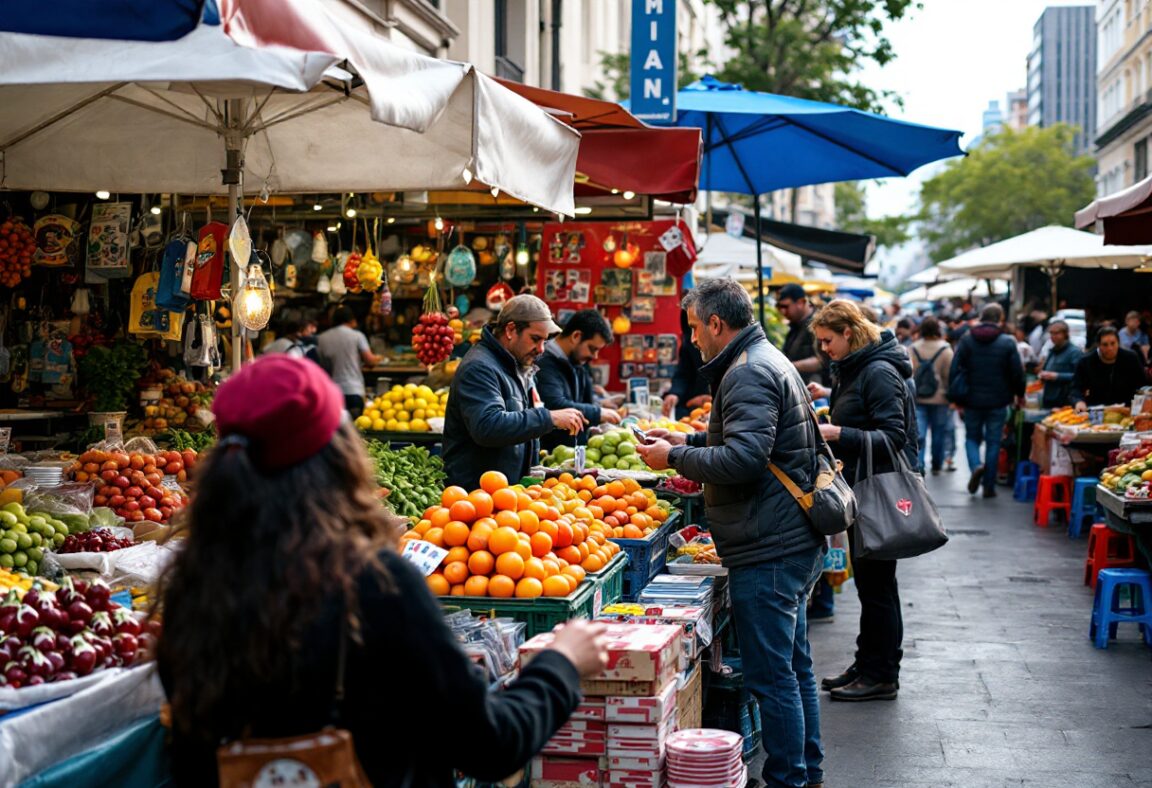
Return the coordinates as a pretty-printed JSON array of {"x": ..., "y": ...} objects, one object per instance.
[
  {"x": 830, "y": 506},
  {"x": 896, "y": 516}
]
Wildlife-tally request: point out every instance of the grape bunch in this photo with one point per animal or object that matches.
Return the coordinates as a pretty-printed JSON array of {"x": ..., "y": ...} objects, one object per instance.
[
  {"x": 432, "y": 337},
  {"x": 98, "y": 540},
  {"x": 17, "y": 245}
]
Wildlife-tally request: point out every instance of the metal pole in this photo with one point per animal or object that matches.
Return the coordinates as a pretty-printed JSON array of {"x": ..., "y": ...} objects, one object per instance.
[
  {"x": 759, "y": 261},
  {"x": 232, "y": 175},
  {"x": 234, "y": 279}
]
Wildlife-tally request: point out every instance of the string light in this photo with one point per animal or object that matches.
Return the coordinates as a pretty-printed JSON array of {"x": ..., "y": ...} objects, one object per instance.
[
  {"x": 103, "y": 194},
  {"x": 253, "y": 305}
]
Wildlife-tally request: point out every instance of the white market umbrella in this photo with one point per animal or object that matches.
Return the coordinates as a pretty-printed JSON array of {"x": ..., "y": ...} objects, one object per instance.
[
  {"x": 723, "y": 255},
  {"x": 964, "y": 287}
]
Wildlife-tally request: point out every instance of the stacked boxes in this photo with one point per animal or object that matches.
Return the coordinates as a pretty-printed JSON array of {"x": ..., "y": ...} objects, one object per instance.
[{"x": 638, "y": 727}]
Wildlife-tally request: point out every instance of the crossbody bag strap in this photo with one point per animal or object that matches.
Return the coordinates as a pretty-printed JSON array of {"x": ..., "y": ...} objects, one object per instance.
[
  {"x": 341, "y": 661},
  {"x": 803, "y": 498}
]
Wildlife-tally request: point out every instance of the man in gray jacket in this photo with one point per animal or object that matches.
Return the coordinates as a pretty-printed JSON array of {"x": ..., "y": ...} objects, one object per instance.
[{"x": 760, "y": 413}]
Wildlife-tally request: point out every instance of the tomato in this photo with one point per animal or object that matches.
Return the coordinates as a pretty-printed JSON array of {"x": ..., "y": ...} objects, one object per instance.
[
  {"x": 99, "y": 500},
  {"x": 122, "y": 459},
  {"x": 166, "y": 512},
  {"x": 153, "y": 514},
  {"x": 133, "y": 492},
  {"x": 116, "y": 501},
  {"x": 173, "y": 468},
  {"x": 109, "y": 465},
  {"x": 122, "y": 482},
  {"x": 188, "y": 457},
  {"x": 131, "y": 506},
  {"x": 147, "y": 502},
  {"x": 156, "y": 492},
  {"x": 134, "y": 517},
  {"x": 137, "y": 478},
  {"x": 153, "y": 479},
  {"x": 109, "y": 475}
]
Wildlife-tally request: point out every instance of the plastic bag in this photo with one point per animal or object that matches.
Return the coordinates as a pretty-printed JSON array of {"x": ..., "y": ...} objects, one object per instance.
[{"x": 837, "y": 561}]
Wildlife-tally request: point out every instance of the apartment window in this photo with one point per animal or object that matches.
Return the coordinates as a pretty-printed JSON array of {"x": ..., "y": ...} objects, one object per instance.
[
  {"x": 1141, "y": 155},
  {"x": 509, "y": 40}
]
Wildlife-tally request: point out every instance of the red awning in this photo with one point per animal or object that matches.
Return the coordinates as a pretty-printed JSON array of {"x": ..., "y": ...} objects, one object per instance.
[
  {"x": 619, "y": 151},
  {"x": 1126, "y": 215}
]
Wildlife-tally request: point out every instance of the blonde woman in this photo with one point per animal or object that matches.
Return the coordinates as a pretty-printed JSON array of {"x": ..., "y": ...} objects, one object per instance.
[{"x": 869, "y": 400}]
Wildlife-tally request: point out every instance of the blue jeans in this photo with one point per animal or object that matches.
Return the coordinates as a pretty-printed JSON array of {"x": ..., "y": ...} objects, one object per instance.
[
  {"x": 936, "y": 418},
  {"x": 823, "y": 600},
  {"x": 768, "y": 604},
  {"x": 984, "y": 425}
]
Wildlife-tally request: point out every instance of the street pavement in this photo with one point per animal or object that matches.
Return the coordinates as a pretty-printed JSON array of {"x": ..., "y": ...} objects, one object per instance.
[{"x": 1000, "y": 685}]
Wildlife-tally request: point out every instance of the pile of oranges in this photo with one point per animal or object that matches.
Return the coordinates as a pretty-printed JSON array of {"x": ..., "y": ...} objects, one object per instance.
[{"x": 513, "y": 541}]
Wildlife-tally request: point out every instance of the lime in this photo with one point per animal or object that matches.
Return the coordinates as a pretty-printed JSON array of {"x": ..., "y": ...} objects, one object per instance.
[{"x": 8, "y": 546}]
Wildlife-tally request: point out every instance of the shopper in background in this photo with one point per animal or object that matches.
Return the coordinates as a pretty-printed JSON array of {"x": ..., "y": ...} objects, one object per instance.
[
  {"x": 343, "y": 351},
  {"x": 689, "y": 389},
  {"x": 870, "y": 402},
  {"x": 931, "y": 363},
  {"x": 495, "y": 416},
  {"x": 564, "y": 380},
  {"x": 1132, "y": 336},
  {"x": 259, "y": 658},
  {"x": 294, "y": 339},
  {"x": 1108, "y": 375},
  {"x": 760, "y": 413},
  {"x": 1059, "y": 367},
  {"x": 1022, "y": 347},
  {"x": 799, "y": 346},
  {"x": 905, "y": 330}
]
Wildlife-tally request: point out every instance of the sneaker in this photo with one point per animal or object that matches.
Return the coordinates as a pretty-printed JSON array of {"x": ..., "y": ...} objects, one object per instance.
[
  {"x": 949, "y": 465},
  {"x": 826, "y": 619},
  {"x": 989, "y": 493},
  {"x": 977, "y": 478}
]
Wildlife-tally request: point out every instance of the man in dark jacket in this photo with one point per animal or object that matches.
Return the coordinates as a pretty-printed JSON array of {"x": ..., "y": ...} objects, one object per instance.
[
  {"x": 1110, "y": 375},
  {"x": 563, "y": 378},
  {"x": 495, "y": 416},
  {"x": 1059, "y": 369},
  {"x": 988, "y": 363},
  {"x": 800, "y": 346},
  {"x": 760, "y": 413}
]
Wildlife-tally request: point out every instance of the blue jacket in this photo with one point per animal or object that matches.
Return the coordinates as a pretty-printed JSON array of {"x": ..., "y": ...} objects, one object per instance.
[
  {"x": 493, "y": 421},
  {"x": 760, "y": 411},
  {"x": 1059, "y": 392},
  {"x": 562, "y": 385},
  {"x": 991, "y": 365}
]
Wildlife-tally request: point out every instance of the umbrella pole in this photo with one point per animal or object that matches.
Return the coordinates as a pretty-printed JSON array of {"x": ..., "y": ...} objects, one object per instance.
[
  {"x": 759, "y": 260},
  {"x": 232, "y": 174},
  {"x": 234, "y": 279}
]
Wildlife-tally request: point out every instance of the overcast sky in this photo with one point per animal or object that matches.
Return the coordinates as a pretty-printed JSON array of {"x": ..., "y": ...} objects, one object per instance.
[{"x": 953, "y": 57}]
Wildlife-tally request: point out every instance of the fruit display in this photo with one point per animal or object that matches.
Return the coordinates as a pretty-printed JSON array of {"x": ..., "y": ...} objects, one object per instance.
[
  {"x": 403, "y": 409},
  {"x": 20, "y": 583},
  {"x": 412, "y": 477},
  {"x": 17, "y": 245},
  {"x": 9, "y": 475},
  {"x": 182, "y": 440},
  {"x": 527, "y": 542},
  {"x": 697, "y": 419},
  {"x": 351, "y": 272},
  {"x": 680, "y": 485},
  {"x": 1065, "y": 417},
  {"x": 26, "y": 536},
  {"x": 132, "y": 484},
  {"x": 50, "y": 636},
  {"x": 432, "y": 337},
  {"x": 181, "y": 404},
  {"x": 97, "y": 540},
  {"x": 1132, "y": 474},
  {"x": 663, "y": 423},
  {"x": 614, "y": 449}
]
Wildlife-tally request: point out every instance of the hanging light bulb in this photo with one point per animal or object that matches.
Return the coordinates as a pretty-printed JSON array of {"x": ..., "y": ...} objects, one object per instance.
[
  {"x": 103, "y": 194},
  {"x": 522, "y": 255},
  {"x": 628, "y": 195},
  {"x": 350, "y": 213},
  {"x": 438, "y": 224},
  {"x": 252, "y": 306},
  {"x": 155, "y": 210},
  {"x": 316, "y": 206}
]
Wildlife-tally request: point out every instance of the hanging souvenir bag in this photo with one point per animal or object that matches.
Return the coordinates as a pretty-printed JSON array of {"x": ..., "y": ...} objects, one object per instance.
[
  {"x": 319, "y": 247},
  {"x": 169, "y": 295},
  {"x": 460, "y": 267},
  {"x": 200, "y": 348},
  {"x": 145, "y": 318},
  {"x": 209, "y": 269},
  {"x": 370, "y": 270}
]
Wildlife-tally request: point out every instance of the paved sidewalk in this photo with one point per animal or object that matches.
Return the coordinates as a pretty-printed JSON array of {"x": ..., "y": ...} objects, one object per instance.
[{"x": 1000, "y": 685}]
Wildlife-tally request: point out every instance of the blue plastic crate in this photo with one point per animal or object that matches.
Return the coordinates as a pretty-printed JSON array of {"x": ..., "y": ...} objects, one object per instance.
[{"x": 647, "y": 557}]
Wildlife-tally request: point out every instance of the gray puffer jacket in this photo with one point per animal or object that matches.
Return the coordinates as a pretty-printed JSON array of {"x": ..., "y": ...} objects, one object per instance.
[{"x": 760, "y": 411}]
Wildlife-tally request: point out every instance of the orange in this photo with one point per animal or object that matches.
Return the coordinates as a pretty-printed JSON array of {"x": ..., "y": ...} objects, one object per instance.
[
  {"x": 632, "y": 532},
  {"x": 484, "y": 522},
  {"x": 440, "y": 517},
  {"x": 463, "y": 511},
  {"x": 570, "y": 554},
  {"x": 553, "y": 513},
  {"x": 481, "y": 502},
  {"x": 428, "y": 512},
  {"x": 541, "y": 544},
  {"x": 550, "y": 528},
  {"x": 500, "y": 586},
  {"x": 540, "y": 508},
  {"x": 563, "y": 535},
  {"x": 529, "y": 588},
  {"x": 438, "y": 585},
  {"x": 584, "y": 495},
  {"x": 456, "y": 572},
  {"x": 481, "y": 562},
  {"x": 614, "y": 488},
  {"x": 422, "y": 527},
  {"x": 456, "y": 533},
  {"x": 556, "y": 585},
  {"x": 478, "y": 539},
  {"x": 588, "y": 483},
  {"x": 435, "y": 536},
  {"x": 503, "y": 540},
  {"x": 407, "y": 535},
  {"x": 534, "y": 567},
  {"x": 592, "y": 563},
  {"x": 476, "y": 586},
  {"x": 510, "y": 565},
  {"x": 508, "y": 519},
  {"x": 491, "y": 481},
  {"x": 597, "y": 512},
  {"x": 630, "y": 485},
  {"x": 575, "y": 571},
  {"x": 529, "y": 521},
  {"x": 566, "y": 478},
  {"x": 504, "y": 499},
  {"x": 524, "y": 549},
  {"x": 551, "y": 566},
  {"x": 585, "y": 549},
  {"x": 522, "y": 501},
  {"x": 551, "y": 482},
  {"x": 451, "y": 495},
  {"x": 457, "y": 554},
  {"x": 458, "y": 590}
]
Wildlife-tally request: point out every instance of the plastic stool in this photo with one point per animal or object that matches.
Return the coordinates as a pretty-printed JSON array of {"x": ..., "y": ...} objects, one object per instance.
[
  {"x": 1083, "y": 505},
  {"x": 1027, "y": 474},
  {"x": 1053, "y": 494},
  {"x": 1107, "y": 549},
  {"x": 1107, "y": 613}
]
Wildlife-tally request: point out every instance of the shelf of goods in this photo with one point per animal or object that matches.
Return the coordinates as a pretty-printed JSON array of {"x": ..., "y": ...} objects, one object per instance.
[{"x": 647, "y": 557}]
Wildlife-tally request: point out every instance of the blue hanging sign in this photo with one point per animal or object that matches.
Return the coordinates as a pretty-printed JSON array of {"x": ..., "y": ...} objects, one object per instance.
[{"x": 653, "y": 61}]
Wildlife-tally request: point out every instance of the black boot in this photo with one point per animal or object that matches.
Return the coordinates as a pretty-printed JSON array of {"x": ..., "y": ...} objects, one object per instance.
[
  {"x": 865, "y": 689},
  {"x": 845, "y": 678}
]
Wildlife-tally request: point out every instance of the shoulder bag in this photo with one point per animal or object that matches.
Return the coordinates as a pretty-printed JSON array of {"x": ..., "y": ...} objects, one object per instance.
[
  {"x": 830, "y": 505},
  {"x": 325, "y": 758},
  {"x": 897, "y": 517}
]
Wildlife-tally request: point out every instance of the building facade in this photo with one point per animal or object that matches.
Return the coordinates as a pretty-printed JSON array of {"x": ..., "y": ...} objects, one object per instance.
[
  {"x": 1016, "y": 118},
  {"x": 1062, "y": 71},
  {"x": 1125, "y": 93},
  {"x": 418, "y": 25}
]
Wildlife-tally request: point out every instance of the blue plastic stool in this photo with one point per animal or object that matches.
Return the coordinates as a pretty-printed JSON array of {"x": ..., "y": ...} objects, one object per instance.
[
  {"x": 1083, "y": 504},
  {"x": 1027, "y": 474},
  {"x": 1107, "y": 612}
]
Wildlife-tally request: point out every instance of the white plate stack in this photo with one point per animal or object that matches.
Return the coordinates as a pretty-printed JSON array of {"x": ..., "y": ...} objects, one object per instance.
[
  {"x": 700, "y": 757},
  {"x": 45, "y": 475}
]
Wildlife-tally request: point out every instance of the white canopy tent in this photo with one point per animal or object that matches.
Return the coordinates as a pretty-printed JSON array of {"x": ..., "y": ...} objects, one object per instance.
[
  {"x": 724, "y": 255},
  {"x": 965, "y": 287},
  {"x": 1048, "y": 247}
]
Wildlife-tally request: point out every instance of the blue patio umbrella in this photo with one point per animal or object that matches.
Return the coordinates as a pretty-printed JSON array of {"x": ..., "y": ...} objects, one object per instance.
[
  {"x": 124, "y": 20},
  {"x": 760, "y": 142}
]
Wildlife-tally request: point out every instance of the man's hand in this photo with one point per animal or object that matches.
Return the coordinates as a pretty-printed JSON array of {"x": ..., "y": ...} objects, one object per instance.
[
  {"x": 700, "y": 401},
  {"x": 669, "y": 406},
  {"x": 1048, "y": 375},
  {"x": 609, "y": 416},
  {"x": 817, "y": 391},
  {"x": 830, "y": 432},
  {"x": 655, "y": 454},
  {"x": 569, "y": 419},
  {"x": 668, "y": 436}
]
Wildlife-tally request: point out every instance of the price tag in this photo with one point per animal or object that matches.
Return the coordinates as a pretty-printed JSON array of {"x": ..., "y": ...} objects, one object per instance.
[
  {"x": 425, "y": 555},
  {"x": 597, "y": 602},
  {"x": 672, "y": 238},
  {"x": 581, "y": 458}
]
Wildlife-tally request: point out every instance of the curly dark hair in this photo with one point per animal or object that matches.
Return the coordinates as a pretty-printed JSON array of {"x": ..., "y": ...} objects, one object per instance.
[{"x": 262, "y": 554}]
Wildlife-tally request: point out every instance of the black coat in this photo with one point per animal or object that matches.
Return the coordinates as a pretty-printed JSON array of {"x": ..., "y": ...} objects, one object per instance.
[
  {"x": 871, "y": 398},
  {"x": 562, "y": 385},
  {"x": 760, "y": 410},
  {"x": 405, "y": 688},
  {"x": 493, "y": 422},
  {"x": 1097, "y": 383},
  {"x": 988, "y": 360}
]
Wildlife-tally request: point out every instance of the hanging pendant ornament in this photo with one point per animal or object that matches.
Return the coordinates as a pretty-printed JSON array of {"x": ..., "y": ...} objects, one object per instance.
[
  {"x": 384, "y": 304},
  {"x": 370, "y": 270},
  {"x": 240, "y": 242}
]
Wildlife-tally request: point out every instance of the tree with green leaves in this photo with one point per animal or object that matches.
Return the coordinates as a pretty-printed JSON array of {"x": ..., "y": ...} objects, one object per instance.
[
  {"x": 1011, "y": 183},
  {"x": 852, "y": 217}
]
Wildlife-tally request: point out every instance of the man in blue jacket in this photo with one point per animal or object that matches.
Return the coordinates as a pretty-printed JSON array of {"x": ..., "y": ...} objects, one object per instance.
[
  {"x": 495, "y": 416},
  {"x": 1059, "y": 369},
  {"x": 988, "y": 362},
  {"x": 563, "y": 378},
  {"x": 760, "y": 412}
]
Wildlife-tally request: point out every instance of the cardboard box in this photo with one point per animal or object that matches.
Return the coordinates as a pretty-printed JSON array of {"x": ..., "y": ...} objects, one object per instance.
[
  {"x": 641, "y": 710},
  {"x": 574, "y": 726},
  {"x": 641, "y": 659},
  {"x": 618, "y": 778},
  {"x": 690, "y": 699},
  {"x": 625, "y": 735},
  {"x": 631, "y": 762},
  {"x": 575, "y": 746},
  {"x": 549, "y": 771},
  {"x": 590, "y": 709}
]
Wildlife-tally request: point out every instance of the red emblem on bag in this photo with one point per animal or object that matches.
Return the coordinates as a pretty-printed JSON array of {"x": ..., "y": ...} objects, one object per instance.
[{"x": 905, "y": 506}]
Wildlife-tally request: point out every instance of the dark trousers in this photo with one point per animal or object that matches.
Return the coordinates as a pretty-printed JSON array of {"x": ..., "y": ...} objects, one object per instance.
[
  {"x": 354, "y": 404},
  {"x": 878, "y": 649}
]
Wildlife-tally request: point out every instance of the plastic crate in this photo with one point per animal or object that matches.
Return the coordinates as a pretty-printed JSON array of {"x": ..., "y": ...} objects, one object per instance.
[
  {"x": 646, "y": 557},
  {"x": 610, "y": 580},
  {"x": 541, "y": 614}
]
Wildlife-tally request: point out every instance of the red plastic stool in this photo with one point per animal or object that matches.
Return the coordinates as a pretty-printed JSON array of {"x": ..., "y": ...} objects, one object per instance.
[
  {"x": 1053, "y": 494},
  {"x": 1107, "y": 549}
]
